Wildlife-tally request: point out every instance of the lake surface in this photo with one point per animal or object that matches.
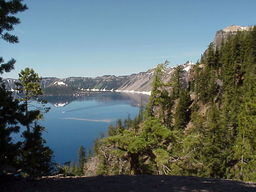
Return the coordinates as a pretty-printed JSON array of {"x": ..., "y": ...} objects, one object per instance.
[{"x": 75, "y": 121}]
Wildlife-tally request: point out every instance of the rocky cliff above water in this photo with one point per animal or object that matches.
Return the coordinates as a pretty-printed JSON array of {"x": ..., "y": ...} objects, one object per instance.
[{"x": 226, "y": 32}]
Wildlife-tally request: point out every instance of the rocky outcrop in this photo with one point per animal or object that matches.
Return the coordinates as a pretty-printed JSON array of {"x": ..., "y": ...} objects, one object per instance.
[
  {"x": 223, "y": 34},
  {"x": 90, "y": 168}
]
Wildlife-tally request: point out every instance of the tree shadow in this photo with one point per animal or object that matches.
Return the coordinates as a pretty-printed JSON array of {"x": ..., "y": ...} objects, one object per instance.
[{"x": 125, "y": 183}]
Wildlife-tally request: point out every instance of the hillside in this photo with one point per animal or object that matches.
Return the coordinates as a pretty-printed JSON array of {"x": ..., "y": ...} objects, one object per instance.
[
  {"x": 201, "y": 125},
  {"x": 140, "y": 82}
]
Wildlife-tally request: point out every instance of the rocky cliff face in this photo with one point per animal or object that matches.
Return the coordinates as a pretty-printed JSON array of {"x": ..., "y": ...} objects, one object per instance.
[{"x": 226, "y": 32}]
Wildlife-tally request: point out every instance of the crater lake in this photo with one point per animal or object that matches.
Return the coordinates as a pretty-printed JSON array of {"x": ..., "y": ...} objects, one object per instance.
[{"x": 75, "y": 121}]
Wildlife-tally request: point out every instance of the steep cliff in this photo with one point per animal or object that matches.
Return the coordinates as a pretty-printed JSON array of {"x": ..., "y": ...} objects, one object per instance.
[{"x": 223, "y": 34}]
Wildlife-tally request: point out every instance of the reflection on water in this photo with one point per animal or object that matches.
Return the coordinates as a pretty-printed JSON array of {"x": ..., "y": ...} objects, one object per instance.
[
  {"x": 102, "y": 97},
  {"x": 75, "y": 121}
]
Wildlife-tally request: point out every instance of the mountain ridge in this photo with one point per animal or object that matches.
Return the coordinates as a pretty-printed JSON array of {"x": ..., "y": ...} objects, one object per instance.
[{"x": 134, "y": 83}]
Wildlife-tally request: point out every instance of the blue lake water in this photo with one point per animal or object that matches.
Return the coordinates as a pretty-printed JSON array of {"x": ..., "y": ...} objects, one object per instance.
[{"x": 76, "y": 121}]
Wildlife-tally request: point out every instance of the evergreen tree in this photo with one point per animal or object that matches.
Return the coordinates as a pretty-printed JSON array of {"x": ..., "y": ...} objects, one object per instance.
[
  {"x": 210, "y": 56},
  {"x": 111, "y": 130},
  {"x": 119, "y": 126},
  {"x": 182, "y": 112},
  {"x": 10, "y": 114},
  {"x": 214, "y": 155},
  {"x": 160, "y": 102},
  {"x": 245, "y": 143},
  {"x": 157, "y": 86},
  {"x": 7, "y": 20},
  {"x": 176, "y": 82},
  {"x": 219, "y": 139},
  {"x": 36, "y": 158},
  {"x": 10, "y": 110},
  {"x": 29, "y": 87},
  {"x": 81, "y": 158}
]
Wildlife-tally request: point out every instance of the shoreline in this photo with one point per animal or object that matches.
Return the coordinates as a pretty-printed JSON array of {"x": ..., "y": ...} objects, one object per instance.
[{"x": 118, "y": 91}]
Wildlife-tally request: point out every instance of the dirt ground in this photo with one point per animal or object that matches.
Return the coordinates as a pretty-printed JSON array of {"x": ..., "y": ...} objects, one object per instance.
[{"x": 147, "y": 183}]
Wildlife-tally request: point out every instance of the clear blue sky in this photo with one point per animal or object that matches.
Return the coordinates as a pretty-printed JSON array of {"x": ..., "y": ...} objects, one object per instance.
[{"x": 65, "y": 38}]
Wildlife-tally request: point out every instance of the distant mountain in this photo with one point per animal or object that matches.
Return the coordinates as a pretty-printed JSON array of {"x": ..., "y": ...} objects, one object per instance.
[{"x": 135, "y": 83}]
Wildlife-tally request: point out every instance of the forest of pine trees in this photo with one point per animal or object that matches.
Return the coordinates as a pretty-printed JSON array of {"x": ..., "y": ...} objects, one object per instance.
[{"x": 205, "y": 128}]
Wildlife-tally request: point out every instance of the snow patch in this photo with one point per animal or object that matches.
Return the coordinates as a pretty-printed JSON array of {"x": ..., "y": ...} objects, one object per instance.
[
  {"x": 187, "y": 68},
  {"x": 60, "y": 83},
  {"x": 60, "y": 104},
  {"x": 133, "y": 91}
]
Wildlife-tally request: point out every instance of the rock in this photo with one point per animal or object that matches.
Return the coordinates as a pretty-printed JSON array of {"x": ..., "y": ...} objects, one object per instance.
[{"x": 223, "y": 34}]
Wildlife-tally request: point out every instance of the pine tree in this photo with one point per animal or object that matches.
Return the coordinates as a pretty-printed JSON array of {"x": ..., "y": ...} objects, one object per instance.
[
  {"x": 33, "y": 146},
  {"x": 244, "y": 147},
  {"x": 10, "y": 114},
  {"x": 157, "y": 86},
  {"x": 29, "y": 88},
  {"x": 182, "y": 112},
  {"x": 81, "y": 159},
  {"x": 10, "y": 110},
  {"x": 210, "y": 56},
  {"x": 36, "y": 157},
  {"x": 214, "y": 155},
  {"x": 219, "y": 139},
  {"x": 160, "y": 102},
  {"x": 176, "y": 82}
]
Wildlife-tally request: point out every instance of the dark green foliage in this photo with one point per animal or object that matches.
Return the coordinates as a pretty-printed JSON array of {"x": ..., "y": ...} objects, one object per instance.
[
  {"x": 161, "y": 101},
  {"x": 29, "y": 84},
  {"x": 119, "y": 127},
  {"x": 207, "y": 74},
  {"x": 206, "y": 128},
  {"x": 245, "y": 140},
  {"x": 81, "y": 158},
  {"x": 176, "y": 82},
  {"x": 182, "y": 112},
  {"x": 36, "y": 157},
  {"x": 214, "y": 151},
  {"x": 11, "y": 112},
  {"x": 10, "y": 115},
  {"x": 7, "y": 19},
  {"x": 157, "y": 86},
  {"x": 29, "y": 88},
  {"x": 30, "y": 155},
  {"x": 6, "y": 67},
  {"x": 136, "y": 145}
]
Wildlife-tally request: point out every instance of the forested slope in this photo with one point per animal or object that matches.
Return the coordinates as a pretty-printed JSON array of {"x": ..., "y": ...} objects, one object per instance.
[{"x": 204, "y": 127}]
